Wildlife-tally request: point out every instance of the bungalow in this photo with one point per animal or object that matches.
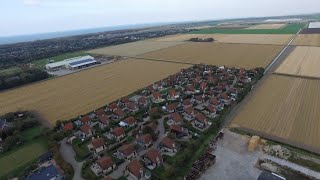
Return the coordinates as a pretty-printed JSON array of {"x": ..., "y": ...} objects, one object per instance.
[
  {"x": 103, "y": 165},
  {"x": 186, "y": 103},
  {"x": 145, "y": 140},
  {"x": 157, "y": 98},
  {"x": 152, "y": 159},
  {"x": 201, "y": 121},
  {"x": 86, "y": 131},
  {"x": 172, "y": 95},
  {"x": 68, "y": 127},
  {"x": 135, "y": 170},
  {"x": 168, "y": 145},
  {"x": 171, "y": 108},
  {"x": 189, "y": 113},
  {"x": 176, "y": 118},
  {"x": 97, "y": 145},
  {"x": 85, "y": 120},
  {"x": 126, "y": 151},
  {"x": 178, "y": 131},
  {"x": 119, "y": 114},
  {"x": 117, "y": 133},
  {"x": 129, "y": 122}
]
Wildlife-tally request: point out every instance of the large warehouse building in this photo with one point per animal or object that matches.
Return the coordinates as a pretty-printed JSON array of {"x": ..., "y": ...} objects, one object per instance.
[{"x": 72, "y": 63}]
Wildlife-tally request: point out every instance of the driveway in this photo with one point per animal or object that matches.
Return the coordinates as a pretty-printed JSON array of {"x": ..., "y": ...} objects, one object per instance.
[{"x": 68, "y": 155}]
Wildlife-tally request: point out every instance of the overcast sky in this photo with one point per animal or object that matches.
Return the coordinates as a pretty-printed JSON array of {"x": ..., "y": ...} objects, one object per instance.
[{"x": 37, "y": 16}]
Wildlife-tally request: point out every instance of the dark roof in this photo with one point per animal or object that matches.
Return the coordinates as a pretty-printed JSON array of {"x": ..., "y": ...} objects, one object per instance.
[
  {"x": 44, "y": 173},
  {"x": 268, "y": 176}
]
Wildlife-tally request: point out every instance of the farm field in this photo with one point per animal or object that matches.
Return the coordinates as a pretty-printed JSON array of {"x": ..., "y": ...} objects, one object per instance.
[
  {"x": 285, "y": 109},
  {"x": 303, "y": 61},
  {"x": 17, "y": 159},
  {"x": 267, "y": 26},
  {"x": 201, "y": 27},
  {"x": 288, "y": 29},
  {"x": 69, "y": 96},
  {"x": 134, "y": 48},
  {"x": 236, "y": 55},
  {"x": 277, "y": 39},
  {"x": 307, "y": 40}
]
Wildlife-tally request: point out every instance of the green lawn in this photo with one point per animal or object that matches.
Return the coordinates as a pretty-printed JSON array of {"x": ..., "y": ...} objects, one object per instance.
[
  {"x": 289, "y": 29},
  {"x": 42, "y": 62},
  {"x": 9, "y": 71},
  {"x": 17, "y": 160},
  {"x": 31, "y": 134}
]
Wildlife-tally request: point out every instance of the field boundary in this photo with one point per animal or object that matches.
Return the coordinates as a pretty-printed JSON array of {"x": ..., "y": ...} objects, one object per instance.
[{"x": 297, "y": 76}]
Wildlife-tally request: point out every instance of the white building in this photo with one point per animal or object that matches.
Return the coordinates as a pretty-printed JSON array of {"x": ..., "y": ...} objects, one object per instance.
[
  {"x": 72, "y": 63},
  {"x": 314, "y": 25}
]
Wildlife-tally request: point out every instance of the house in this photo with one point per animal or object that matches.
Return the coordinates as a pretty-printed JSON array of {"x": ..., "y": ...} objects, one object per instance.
[
  {"x": 129, "y": 122},
  {"x": 176, "y": 118},
  {"x": 201, "y": 121},
  {"x": 103, "y": 165},
  {"x": 153, "y": 126},
  {"x": 225, "y": 98},
  {"x": 172, "y": 95},
  {"x": 171, "y": 108},
  {"x": 190, "y": 89},
  {"x": 112, "y": 107},
  {"x": 186, "y": 103},
  {"x": 214, "y": 101},
  {"x": 117, "y": 133},
  {"x": 233, "y": 92},
  {"x": 86, "y": 131},
  {"x": 211, "y": 111},
  {"x": 203, "y": 86},
  {"x": 100, "y": 112},
  {"x": 152, "y": 158},
  {"x": 135, "y": 170},
  {"x": 103, "y": 121},
  {"x": 142, "y": 101},
  {"x": 119, "y": 114},
  {"x": 189, "y": 113},
  {"x": 168, "y": 145},
  {"x": 133, "y": 107},
  {"x": 178, "y": 131},
  {"x": 85, "y": 119},
  {"x": 68, "y": 127},
  {"x": 145, "y": 140},
  {"x": 126, "y": 151},
  {"x": 157, "y": 98},
  {"x": 97, "y": 145},
  {"x": 199, "y": 99}
]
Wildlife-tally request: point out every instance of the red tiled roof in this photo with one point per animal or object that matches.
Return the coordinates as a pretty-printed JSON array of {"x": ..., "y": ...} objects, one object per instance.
[
  {"x": 190, "y": 88},
  {"x": 189, "y": 110},
  {"x": 211, "y": 108},
  {"x": 186, "y": 102},
  {"x": 119, "y": 112},
  {"x": 118, "y": 131},
  {"x": 131, "y": 105},
  {"x": 146, "y": 138},
  {"x": 154, "y": 155},
  {"x": 113, "y": 106},
  {"x": 203, "y": 85},
  {"x": 176, "y": 128},
  {"x": 201, "y": 118},
  {"x": 142, "y": 100},
  {"x": 125, "y": 100},
  {"x": 86, "y": 128},
  {"x": 172, "y": 107},
  {"x": 135, "y": 167},
  {"x": 85, "y": 119},
  {"x": 130, "y": 120},
  {"x": 107, "y": 178},
  {"x": 104, "y": 120},
  {"x": 172, "y": 93},
  {"x": 169, "y": 143},
  {"x": 176, "y": 117},
  {"x": 157, "y": 95},
  {"x": 225, "y": 96},
  {"x": 105, "y": 162},
  {"x": 214, "y": 101},
  {"x": 153, "y": 110},
  {"x": 199, "y": 98},
  {"x": 153, "y": 126},
  {"x": 97, "y": 143},
  {"x": 68, "y": 127},
  {"x": 100, "y": 112},
  {"x": 126, "y": 149}
]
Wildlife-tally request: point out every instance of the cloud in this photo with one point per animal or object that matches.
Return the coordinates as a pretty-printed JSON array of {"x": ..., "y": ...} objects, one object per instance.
[{"x": 31, "y": 2}]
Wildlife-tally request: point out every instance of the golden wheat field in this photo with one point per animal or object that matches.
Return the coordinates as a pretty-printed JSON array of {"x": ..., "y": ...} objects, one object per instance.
[
  {"x": 276, "y": 39},
  {"x": 235, "y": 55},
  {"x": 307, "y": 40},
  {"x": 134, "y": 48},
  {"x": 267, "y": 26},
  {"x": 285, "y": 108},
  {"x": 79, "y": 93},
  {"x": 303, "y": 61}
]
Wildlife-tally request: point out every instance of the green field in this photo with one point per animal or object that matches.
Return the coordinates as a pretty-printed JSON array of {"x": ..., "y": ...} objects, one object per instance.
[
  {"x": 9, "y": 71},
  {"x": 289, "y": 29},
  {"x": 16, "y": 161},
  {"x": 42, "y": 62}
]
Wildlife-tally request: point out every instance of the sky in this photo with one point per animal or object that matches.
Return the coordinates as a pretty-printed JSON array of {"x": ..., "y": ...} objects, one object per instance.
[{"x": 20, "y": 17}]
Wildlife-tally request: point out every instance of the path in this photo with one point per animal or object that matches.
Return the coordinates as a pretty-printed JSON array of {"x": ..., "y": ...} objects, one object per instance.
[{"x": 69, "y": 156}]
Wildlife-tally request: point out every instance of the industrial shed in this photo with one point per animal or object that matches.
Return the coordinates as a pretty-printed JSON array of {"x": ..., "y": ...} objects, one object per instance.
[{"x": 72, "y": 63}]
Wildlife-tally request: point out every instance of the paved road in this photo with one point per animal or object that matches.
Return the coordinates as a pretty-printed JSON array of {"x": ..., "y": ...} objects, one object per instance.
[{"x": 68, "y": 155}]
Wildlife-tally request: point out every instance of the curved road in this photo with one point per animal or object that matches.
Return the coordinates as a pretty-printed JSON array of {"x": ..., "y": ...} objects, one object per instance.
[{"x": 68, "y": 155}]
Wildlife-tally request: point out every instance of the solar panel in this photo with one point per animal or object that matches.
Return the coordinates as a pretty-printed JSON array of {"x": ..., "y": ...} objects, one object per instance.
[{"x": 81, "y": 62}]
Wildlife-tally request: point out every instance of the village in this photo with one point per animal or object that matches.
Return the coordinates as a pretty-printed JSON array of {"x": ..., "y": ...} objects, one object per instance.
[{"x": 135, "y": 135}]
